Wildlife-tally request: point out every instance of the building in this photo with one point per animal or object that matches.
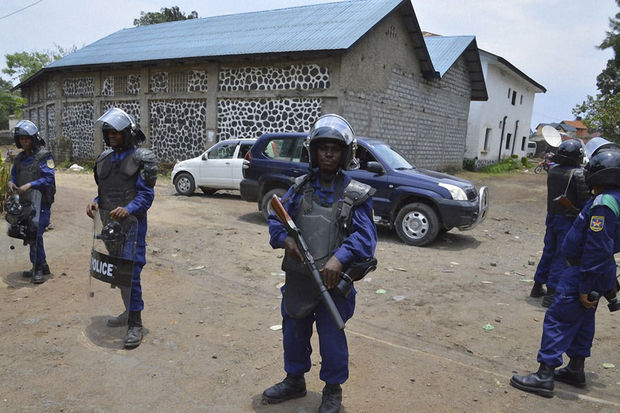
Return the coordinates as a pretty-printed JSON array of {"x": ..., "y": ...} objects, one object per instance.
[
  {"x": 500, "y": 127},
  {"x": 191, "y": 83}
]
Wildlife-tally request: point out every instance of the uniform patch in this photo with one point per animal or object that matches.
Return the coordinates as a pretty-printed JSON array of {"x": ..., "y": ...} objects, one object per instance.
[
  {"x": 50, "y": 163},
  {"x": 597, "y": 223}
]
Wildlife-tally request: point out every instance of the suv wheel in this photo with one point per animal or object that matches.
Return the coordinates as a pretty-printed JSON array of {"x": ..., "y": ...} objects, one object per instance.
[
  {"x": 264, "y": 203},
  {"x": 184, "y": 184},
  {"x": 417, "y": 224}
]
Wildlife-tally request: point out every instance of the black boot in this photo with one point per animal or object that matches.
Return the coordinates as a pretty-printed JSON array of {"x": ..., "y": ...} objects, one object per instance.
[
  {"x": 573, "y": 373},
  {"x": 540, "y": 382},
  {"x": 537, "y": 290},
  {"x": 133, "y": 338},
  {"x": 292, "y": 387},
  {"x": 118, "y": 321},
  {"x": 332, "y": 399},
  {"x": 44, "y": 267},
  {"x": 548, "y": 298},
  {"x": 38, "y": 277}
]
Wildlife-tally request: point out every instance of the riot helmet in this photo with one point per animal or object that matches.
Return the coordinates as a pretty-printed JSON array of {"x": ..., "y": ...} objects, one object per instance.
[
  {"x": 118, "y": 120},
  {"x": 604, "y": 168},
  {"x": 598, "y": 143},
  {"x": 335, "y": 129},
  {"x": 569, "y": 152},
  {"x": 29, "y": 129}
]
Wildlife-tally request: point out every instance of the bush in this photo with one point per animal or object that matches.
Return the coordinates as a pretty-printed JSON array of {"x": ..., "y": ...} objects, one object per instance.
[
  {"x": 506, "y": 165},
  {"x": 469, "y": 164},
  {"x": 5, "y": 175},
  {"x": 526, "y": 162}
]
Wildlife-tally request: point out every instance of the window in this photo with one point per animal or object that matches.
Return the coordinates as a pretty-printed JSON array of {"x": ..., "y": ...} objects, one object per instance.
[
  {"x": 282, "y": 149},
  {"x": 521, "y": 102},
  {"x": 364, "y": 157},
  {"x": 224, "y": 150},
  {"x": 487, "y": 138},
  {"x": 509, "y": 93},
  {"x": 245, "y": 147},
  {"x": 523, "y": 140},
  {"x": 177, "y": 82},
  {"x": 120, "y": 85},
  {"x": 508, "y": 136},
  {"x": 514, "y": 97}
]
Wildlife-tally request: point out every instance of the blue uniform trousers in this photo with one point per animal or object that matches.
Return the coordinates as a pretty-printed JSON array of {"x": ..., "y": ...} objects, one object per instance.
[
  {"x": 552, "y": 263},
  {"x": 37, "y": 250},
  {"x": 332, "y": 342},
  {"x": 136, "y": 303},
  {"x": 568, "y": 326}
]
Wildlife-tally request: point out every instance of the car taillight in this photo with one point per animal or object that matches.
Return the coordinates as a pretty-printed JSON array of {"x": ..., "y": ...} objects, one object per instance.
[{"x": 247, "y": 159}]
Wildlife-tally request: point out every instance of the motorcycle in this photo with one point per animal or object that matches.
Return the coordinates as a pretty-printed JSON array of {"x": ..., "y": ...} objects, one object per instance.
[{"x": 545, "y": 164}]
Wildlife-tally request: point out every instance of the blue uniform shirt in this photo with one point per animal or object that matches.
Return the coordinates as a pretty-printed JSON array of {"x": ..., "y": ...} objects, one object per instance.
[
  {"x": 361, "y": 242},
  {"x": 144, "y": 194},
  {"x": 593, "y": 240}
]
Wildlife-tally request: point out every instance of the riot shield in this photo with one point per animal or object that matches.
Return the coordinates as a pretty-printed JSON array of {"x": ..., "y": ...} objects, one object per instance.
[
  {"x": 20, "y": 241},
  {"x": 109, "y": 283}
]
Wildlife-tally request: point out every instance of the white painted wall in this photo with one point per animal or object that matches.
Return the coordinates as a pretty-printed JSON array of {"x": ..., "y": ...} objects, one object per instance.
[{"x": 490, "y": 114}]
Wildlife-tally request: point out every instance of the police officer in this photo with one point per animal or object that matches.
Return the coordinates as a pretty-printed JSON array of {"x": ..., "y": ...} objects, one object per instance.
[
  {"x": 564, "y": 179},
  {"x": 33, "y": 170},
  {"x": 126, "y": 175},
  {"x": 339, "y": 232},
  {"x": 589, "y": 247}
]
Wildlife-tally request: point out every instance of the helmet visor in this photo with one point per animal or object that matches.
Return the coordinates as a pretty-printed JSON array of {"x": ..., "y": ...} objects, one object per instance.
[
  {"x": 597, "y": 143},
  {"x": 25, "y": 128},
  {"x": 334, "y": 122},
  {"x": 116, "y": 118}
]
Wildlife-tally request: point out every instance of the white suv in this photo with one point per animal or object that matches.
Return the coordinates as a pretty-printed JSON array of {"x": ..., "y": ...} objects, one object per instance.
[{"x": 218, "y": 168}]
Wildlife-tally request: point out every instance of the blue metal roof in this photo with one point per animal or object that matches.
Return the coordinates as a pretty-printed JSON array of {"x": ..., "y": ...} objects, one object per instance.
[
  {"x": 445, "y": 50},
  {"x": 320, "y": 27}
]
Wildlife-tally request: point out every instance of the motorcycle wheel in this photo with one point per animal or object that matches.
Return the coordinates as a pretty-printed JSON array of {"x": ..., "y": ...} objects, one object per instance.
[{"x": 538, "y": 169}]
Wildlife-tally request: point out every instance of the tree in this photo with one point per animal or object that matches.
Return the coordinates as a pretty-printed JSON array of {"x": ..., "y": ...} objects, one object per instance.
[
  {"x": 164, "y": 14},
  {"x": 602, "y": 112},
  {"x": 21, "y": 65}
]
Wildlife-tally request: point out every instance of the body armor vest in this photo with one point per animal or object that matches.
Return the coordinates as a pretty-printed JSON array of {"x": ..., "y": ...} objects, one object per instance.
[
  {"x": 32, "y": 172},
  {"x": 558, "y": 183},
  {"x": 116, "y": 180},
  {"x": 323, "y": 227}
]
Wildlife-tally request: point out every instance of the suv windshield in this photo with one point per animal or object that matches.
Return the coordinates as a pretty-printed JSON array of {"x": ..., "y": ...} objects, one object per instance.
[{"x": 391, "y": 157}]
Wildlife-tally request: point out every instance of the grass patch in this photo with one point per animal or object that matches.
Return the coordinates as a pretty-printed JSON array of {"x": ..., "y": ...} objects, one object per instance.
[{"x": 505, "y": 165}]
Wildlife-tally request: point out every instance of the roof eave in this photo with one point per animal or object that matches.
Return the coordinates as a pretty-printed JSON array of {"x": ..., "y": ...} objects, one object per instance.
[{"x": 516, "y": 70}]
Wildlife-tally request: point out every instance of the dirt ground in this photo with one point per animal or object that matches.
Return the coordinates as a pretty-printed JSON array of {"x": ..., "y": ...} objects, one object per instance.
[{"x": 210, "y": 288}]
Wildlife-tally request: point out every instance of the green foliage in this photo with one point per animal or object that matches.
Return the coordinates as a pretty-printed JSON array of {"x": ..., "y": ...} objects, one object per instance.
[
  {"x": 602, "y": 112},
  {"x": 525, "y": 162},
  {"x": 5, "y": 175},
  {"x": 10, "y": 103},
  {"x": 164, "y": 14},
  {"x": 469, "y": 164},
  {"x": 21, "y": 65},
  {"x": 506, "y": 165}
]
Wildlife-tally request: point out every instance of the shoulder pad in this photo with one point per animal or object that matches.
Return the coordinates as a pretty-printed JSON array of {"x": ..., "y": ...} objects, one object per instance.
[
  {"x": 104, "y": 155},
  {"x": 144, "y": 155},
  {"x": 148, "y": 165},
  {"x": 358, "y": 192},
  {"x": 42, "y": 154},
  {"x": 608, "y": 201},
  {"x": 20, "y": 156},
  {"x": 300, "y": 181}
]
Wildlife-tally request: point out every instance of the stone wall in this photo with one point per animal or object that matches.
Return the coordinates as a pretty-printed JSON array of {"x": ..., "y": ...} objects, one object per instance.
[
  {"x": 177, "y": 128},
  {"x": 250, "y": 118},
  {"x": 77, "y": 125}
]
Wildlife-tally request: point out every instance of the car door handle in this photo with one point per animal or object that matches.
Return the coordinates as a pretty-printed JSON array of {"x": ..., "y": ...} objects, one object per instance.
[{"x": 297, "y": 170}]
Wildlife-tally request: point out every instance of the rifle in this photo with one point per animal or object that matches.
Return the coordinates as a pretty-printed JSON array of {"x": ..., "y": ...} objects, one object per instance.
[
  {"x": 563, "y": 201},
  {"x": 295, "y": 232}
]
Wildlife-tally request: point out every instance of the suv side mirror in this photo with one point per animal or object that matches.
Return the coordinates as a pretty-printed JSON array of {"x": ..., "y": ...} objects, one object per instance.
[
  {"x": 204, "y": 156},
  {"x": 375, "y": 167}
]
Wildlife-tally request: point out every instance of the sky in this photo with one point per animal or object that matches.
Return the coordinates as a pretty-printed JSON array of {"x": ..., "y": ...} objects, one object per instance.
[{"x": 552, "y": 41}]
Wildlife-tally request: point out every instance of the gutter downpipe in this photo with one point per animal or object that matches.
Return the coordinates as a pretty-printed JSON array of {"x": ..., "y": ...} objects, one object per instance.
[
  {"x": 501, "y": 139},
  {"x": 514, "y": 139}
]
